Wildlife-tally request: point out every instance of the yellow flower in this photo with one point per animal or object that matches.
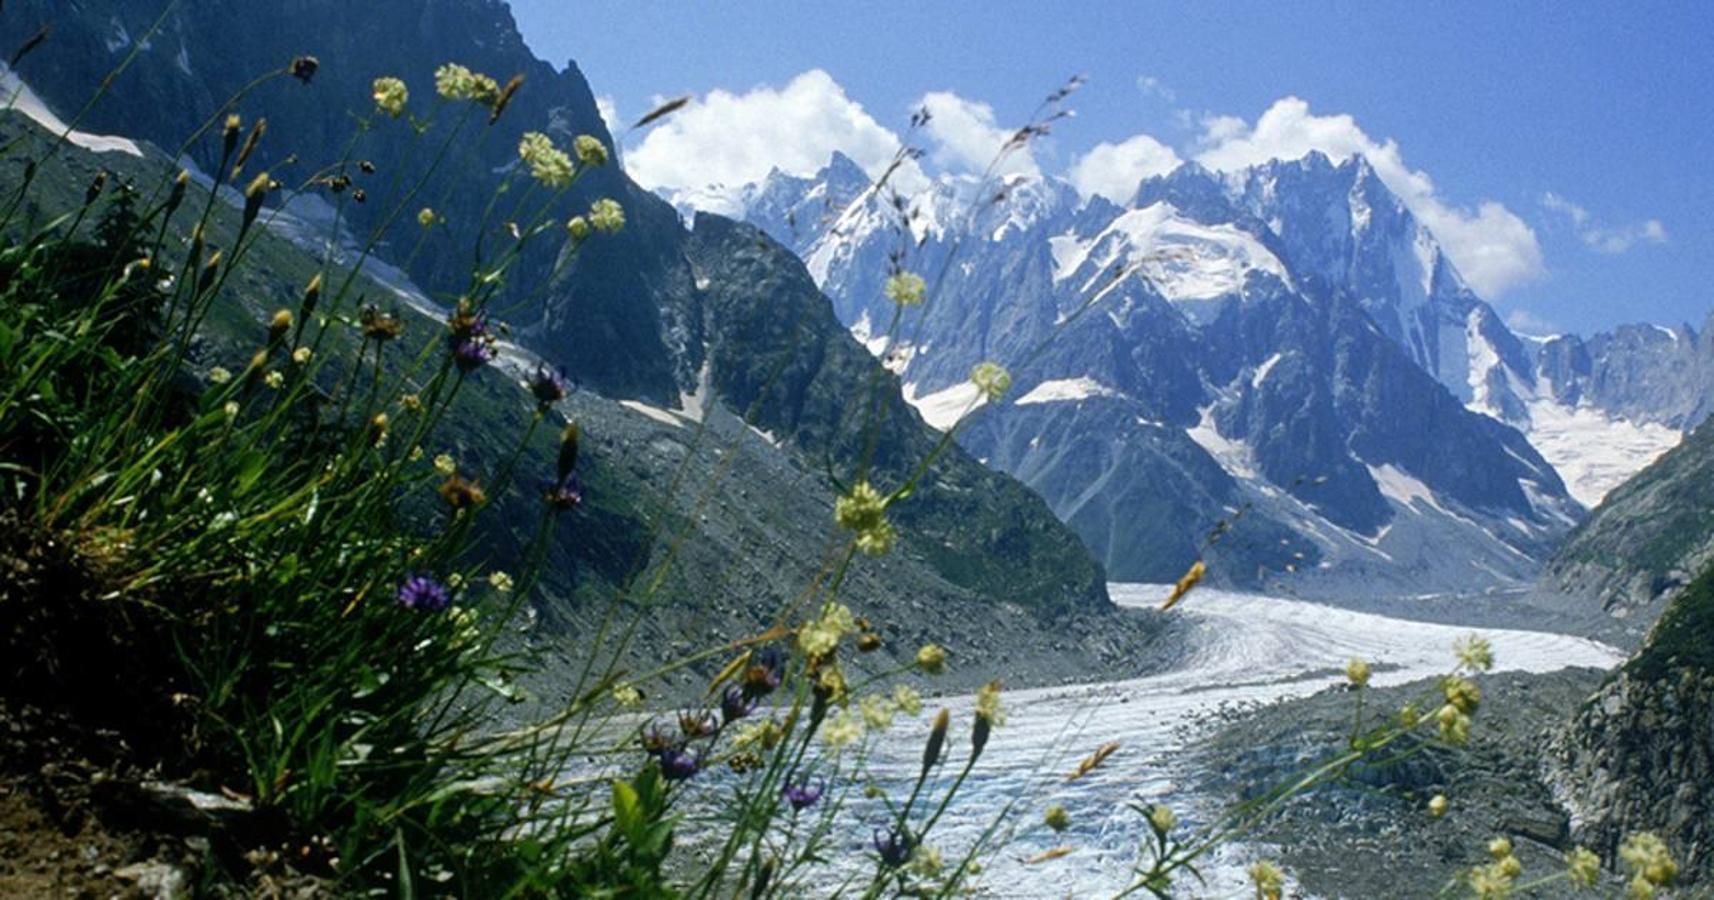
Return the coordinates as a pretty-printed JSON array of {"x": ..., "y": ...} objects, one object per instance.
[
  {"x": 906, "y": 288},
  {"x": 907, "y": 699},
  {"x": 988, "y": 704},
  {"x": 1162, "y": 819},
  {"x": 444, "y": 465},
  {"x": 1649, "y": 858},
  {"x": 1437, "y": 806},
  {"x": 1454, "y": 725},
  {"x": 578, "y": 226},
  {"x": 501, "y": 582},
  {"x": 1057, "y": 818},
  {"x": 1409, "y": 716},
  {"x": 274, "y": 380},
  {"x": 879, "y": 540},
  {"x": 1500, "y": 848},
  {"x": 411, "y": 402},
  {"x": 1462, "y": 693},
  {"x": 606, "y": 215},
  {"x": 1490, "y": 882},
  {"x": 863, "y": 510},
  {"x": 231, "y": 409},
  {"x": 426, "y": 217},
  {"x": 301, "y": 355},
  {"x": 590, "y": 151},
  {"x": 877, "y": 713},
  {"x": 391, "y": 95},
  {"x": 926, "y": 862},
  {"x": 627, "y": 696},
  {"x": 219, "y": 375},
  {"x": 991, "y": 379},
  {"x": 1583, "y": 867},
  {"x": 1474, "y": 653},
  {"x": 819, "y": 638},
  {"x": 455, "y": 82},
  {"x": 548, "y": 164},
  {"x": 842, "y": 729},
  {"x": 931, "y": 659},
  {"x": 1269, "y": 880},
  {"x": 1357, "y": 672}
]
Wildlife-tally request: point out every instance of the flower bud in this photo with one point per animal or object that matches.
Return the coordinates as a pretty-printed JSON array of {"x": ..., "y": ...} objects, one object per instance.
[
  {"x": 568, "y": 441},
  {"x": 936, "y": 740}
]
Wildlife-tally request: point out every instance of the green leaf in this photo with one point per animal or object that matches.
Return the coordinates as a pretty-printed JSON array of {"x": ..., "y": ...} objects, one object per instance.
[{"x": 627, "y": 809}]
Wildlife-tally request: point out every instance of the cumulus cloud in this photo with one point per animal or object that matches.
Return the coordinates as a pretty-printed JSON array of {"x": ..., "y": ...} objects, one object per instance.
[
  {"x": 1523, "y": 321},
  {"x": 1154, "y": 87},
  {"x": 1492, "y": 247},
  {"x": 1600, "y": 237},
  {"x": 967, "y": 138},
  {"x": 730, "y": 139},
  {"x": 1114, "y": 170}
]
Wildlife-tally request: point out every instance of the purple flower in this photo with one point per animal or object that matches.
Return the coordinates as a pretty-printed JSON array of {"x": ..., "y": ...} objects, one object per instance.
[
  {"x": 802, "y": 796},
  {"x": 697, "y": 724},
  {"x": 734, "y": 704},
  {"x": 424, "y": 593},
  {"x": 894, "y": 847},
  {"x": 679, "y": 763},
  {"x": 471, "y": 353},
  {"x": 548, "y": 386},
  {"x": 567, "y": 494},
  {"x": 656, "y": 741}
]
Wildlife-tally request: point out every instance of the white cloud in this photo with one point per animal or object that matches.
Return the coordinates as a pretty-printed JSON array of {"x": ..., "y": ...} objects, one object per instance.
[
  {"x": 1154, "y": 87},
  {"x": 609, "y": 113},
  {"x": 1603, "y": 238},
  {"x": 1491, "y": 246},
  {"x": 727, "y": 139},
  {"x": 1525, "y": 322},
  {"x": 1114, "y": 170},
  {"x": 967, "y": 138}
]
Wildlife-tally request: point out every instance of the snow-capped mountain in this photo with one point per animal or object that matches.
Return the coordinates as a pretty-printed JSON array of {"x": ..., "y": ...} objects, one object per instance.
[{"x": 1281, "y": 359}]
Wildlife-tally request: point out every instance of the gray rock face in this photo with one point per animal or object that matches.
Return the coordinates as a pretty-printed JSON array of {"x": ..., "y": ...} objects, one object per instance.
[
  {"x": 1639, "y": 372},
  {"x": 1284, "y": 362}
]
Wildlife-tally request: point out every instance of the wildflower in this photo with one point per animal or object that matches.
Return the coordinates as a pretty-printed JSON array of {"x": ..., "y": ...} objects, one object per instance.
[
  {"x": 461, "y": 494},
  {"x": 231, "y": 409},
  {"x": 378, "y": 326},
  {"x": 627, "y": 696},
  {"x": 411, "y": 403},
  {"x": 274, "y": 380},
  {"x": 1640, "y": 888},
  {"x": 1162, "y": 819},
  {"x": 1462, "y": 694},
  {"x": 734, "y": 705},
  {"x": 219, "y": 375},
  {"x": 1490, "y": 882},
  {"x": 1357, "y": 672},
  {"x": 302, "y": 355},
  {"x": 578, "y": 226},
  {"x": 991, "y": 379},
  {"x": 863, "y": 510},
  {"x": 877, "y": 713},
  {"x": 426, "y": 217},
  {"x": 568, "y": 446},
  {"x": 500, "y": 581},
  {"x": 566, "y": 494},
  {"x": 830, "y": 682},
  {"x": 378, "y": 429},
  {"x": 416, "y": 454},
  {"x": 1185, "y": 584},
  {"x": 1649, "y": 859},
  {"x": 548, "y": 164},
  {"x": 821, "y": 637},
  {"x": 926, "y": 861},
  {"x": 470, "y": 354},
  {"x": 931, "y": 659},
  {"x": 1409, "y": 716},
  {"x": 303, "y": 68},
  {"x": 444, "y": 465},
  {"x": 679, "y": 763},
  {"x": 455, "y": 82},
  {"x": 894, "y": 848},
  {"x": 1437, "y": 805},
  {"x": 697, "y": 723},
  {"x": 391, "y": 95},
  {"x": 455, "y": 581},
  {"x": 907, "y": 699},
  {"x": 906, "y": 288},
  {"x": 606, "y": 215},
  {"x": 465, "y": 629},
  {"x": 1268, "y": 879},
  {"x": 424, "y": 593},
  {"x": 803, "y": 794},
  {"x": 655, "y": 741},
  {"x": 254, "y": 193},
  {"x": 842, "y": 729},
  {"x": 1583, "y": 867},
  {"x": 279, "y": 324},
  {"x": 1500, "y": 847},
  {"x": 1057, "y": 818},
  {"x": 1454, "y": 725},
  {"x": 936, "y": 740},
  {"x": 1474, "y": 653},
  {"x": 988, "y": 704},
  {"x": 868, "y": 642},
  {"x": 766, "y": 670},
  {"x": 590, "y": 151},
  {"x": 229, "y": 134},
  {"x": 548, "y": 386}
]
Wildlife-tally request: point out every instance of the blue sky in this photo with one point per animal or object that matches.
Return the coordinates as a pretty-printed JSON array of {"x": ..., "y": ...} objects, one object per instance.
[{"x": 1563, "y": 152}]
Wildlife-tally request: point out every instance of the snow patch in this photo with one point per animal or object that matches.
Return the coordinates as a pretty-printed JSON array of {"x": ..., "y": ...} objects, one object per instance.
[
  {"x": 663, "y": 416},
  {"x": 1061, "y": 389},
  {"x": 1182, "y": 259},
  {"x": 942, "y": 409},
  {"x": 1236, "y": 457},
  {"x": 1592, "y": 451},
  {"x": 1262, "y": 370},
  {"x": 18, "y": 96}
]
